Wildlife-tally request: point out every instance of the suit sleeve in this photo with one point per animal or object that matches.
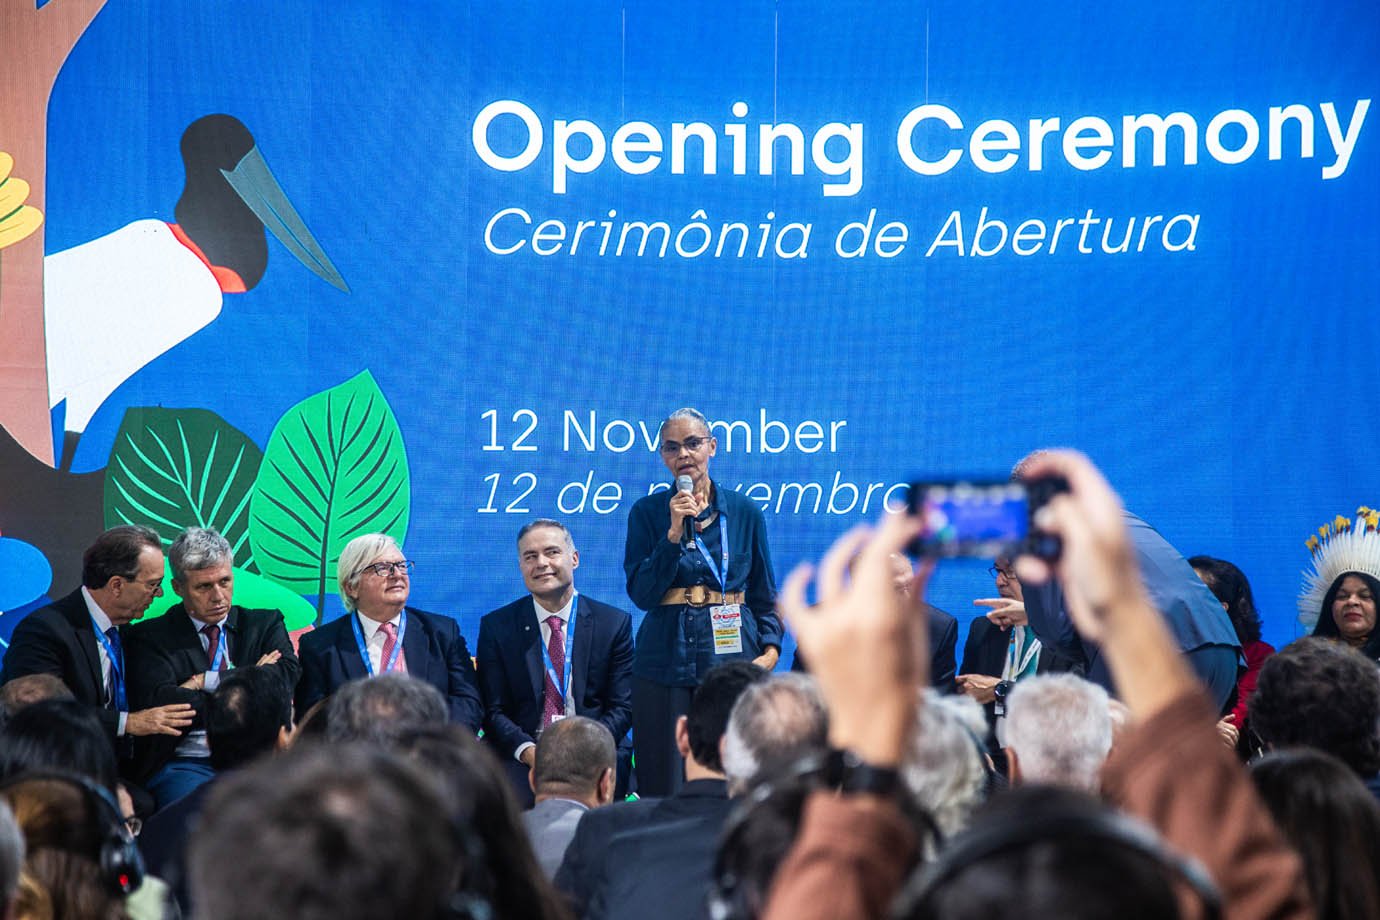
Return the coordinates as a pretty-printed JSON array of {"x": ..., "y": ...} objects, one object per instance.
[
  {"x": 498, "y": 726},
  {"x": 942, "y": 659},
  {"x": 466, "y": 707},
  {"x": 618, "y": 695},
  {"x": 1044, "y": 609},
  {"x": 276, "y": 640},
  {"x": 311, "y": 684},
  {"x": 36, "y": 648},
  {"x": 153, "y": 677}
]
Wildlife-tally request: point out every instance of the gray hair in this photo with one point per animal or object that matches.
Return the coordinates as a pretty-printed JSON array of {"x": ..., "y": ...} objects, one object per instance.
[
  {"x": 11, "y": 854},
  {"x": 572, "y": 754},
  {"x": 775, "y": 720},
  {"x": 946, "y": 766},
  {"x": 547, "y": 522},
  {"x": 380, "y": 709},
  {"x": 687, "y": 413},
  {"x": 358, "y": 553},
  {"x": 1060, "y": 727},
  {"x": 198, "y": 548}
]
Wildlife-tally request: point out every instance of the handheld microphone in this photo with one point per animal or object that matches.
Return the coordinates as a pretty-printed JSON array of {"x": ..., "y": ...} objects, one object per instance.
[{"x": 686, "y": 484}]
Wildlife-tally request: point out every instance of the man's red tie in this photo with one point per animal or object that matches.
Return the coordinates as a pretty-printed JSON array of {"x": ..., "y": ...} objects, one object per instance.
[
  {"x": 390, "y": 632},
  {"x": 553, "y": 703}
]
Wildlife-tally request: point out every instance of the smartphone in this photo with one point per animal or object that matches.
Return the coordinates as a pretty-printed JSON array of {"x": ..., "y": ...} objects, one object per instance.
[{"x": 982, "y": 518}]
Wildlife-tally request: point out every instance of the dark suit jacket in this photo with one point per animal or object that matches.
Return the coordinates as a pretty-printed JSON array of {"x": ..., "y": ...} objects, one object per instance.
[
  {"x": 587, "y": 867},
  {"x": 512, "y": 675},
  {"x": 943, "y": 630},
  {"x": 163, "y": 652},
  {"x": 985, "y": 653},
  {"x": 435, "y": 651},
  {"x": 60, "y": 640}
]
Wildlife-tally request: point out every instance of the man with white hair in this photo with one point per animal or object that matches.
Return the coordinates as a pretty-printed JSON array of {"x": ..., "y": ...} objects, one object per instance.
[
  {"x": 179, "y": 657},
  {"x": 1058, "y": 732},
  {"x": 381, "y": 634},
  {"x": 774, "y": 722}
]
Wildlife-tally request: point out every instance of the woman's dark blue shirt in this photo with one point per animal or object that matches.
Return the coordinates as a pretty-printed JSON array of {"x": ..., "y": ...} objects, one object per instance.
[{"x": 675, "y": 644}]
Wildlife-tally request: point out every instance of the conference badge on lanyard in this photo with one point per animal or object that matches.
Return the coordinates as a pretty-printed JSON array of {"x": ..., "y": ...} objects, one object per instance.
[{"x": 727, "y": 621}]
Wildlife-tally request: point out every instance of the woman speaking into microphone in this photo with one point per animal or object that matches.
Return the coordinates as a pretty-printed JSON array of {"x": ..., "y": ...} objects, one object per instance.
[{"x": 697, "y": 561}]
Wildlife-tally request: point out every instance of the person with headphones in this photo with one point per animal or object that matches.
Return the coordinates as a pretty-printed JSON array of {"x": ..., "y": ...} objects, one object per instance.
[
  {"x": 1169, "y": 774},
  {"x": 81, "y": 859}
]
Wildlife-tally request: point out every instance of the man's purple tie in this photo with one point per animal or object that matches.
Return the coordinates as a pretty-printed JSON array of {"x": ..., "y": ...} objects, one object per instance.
[
  {"x": 553, "y": 704},
  {"x": 390, "y": 633},
  {"x": 212, "y": 632}
]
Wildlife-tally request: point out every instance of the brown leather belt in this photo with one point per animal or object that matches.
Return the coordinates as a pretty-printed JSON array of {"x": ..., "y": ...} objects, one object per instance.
[{"x": 699, "y": 596}]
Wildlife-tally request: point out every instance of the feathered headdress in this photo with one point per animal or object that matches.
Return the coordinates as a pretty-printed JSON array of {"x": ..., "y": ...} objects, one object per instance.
[{"x": 1339, "y": 546}]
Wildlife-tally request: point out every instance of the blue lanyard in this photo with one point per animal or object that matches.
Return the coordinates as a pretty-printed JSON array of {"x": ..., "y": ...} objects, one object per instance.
[
  {"x": 569, "y": 646},
  {"x": 117, "y": 668},
  {"x": 720, "y": 573},
  {"x": 364, "y": 649}
]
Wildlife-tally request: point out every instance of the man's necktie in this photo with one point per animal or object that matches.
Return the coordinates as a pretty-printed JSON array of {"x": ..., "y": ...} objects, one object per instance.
[
  {"x": 390, "y": 632},
  {"x": 212, "y": 632},
  {"x": 117, "y": 670},
  {"x": 553, "y": 702}
]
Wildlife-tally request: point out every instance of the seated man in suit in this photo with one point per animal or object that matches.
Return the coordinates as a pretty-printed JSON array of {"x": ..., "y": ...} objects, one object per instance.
[
  {"x": 1001, "y": 649},
  {"x": 574, "y": 772},
  {"x": 79, "y": 638},
  {"x": 179, "y": 657},
  {"x": 692, "y": 817},
  {"x": 942, "y": 628},
  {"x": 381, "y": 634},
  {"x": 551, "y": 654}
]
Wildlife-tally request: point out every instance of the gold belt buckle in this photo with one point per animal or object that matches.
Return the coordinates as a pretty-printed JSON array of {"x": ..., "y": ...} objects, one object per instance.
[{"x": 697, "y": 596}]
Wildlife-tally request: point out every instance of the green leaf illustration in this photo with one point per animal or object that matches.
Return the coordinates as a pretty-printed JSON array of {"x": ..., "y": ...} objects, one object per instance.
[
  {"x": 335, "y": 467},
  {"x": 176, "y": 468}
]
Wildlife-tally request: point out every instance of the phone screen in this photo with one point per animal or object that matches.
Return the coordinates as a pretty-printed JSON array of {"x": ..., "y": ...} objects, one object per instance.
[{"x": 970, "y": 518}]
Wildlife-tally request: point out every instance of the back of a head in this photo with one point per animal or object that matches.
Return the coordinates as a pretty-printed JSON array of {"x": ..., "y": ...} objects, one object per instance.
[
  {"x": 572, "y": 754},
  {"x": 28, "y": 689},
  {"x": 58, "y": 735},
  {"x": 245, "y": 715},
  {"x": 712, "y": 703},
  {"x": 1329, "y": 816},
  {"x": 946, "y": 768},
  {"x": 775, "y": 721},
  {"x": 1230, "y": 586},
  {"x": 324, "y": 832},
  {"x": 1319, "y": 693},
  {"x": 65, "y": 832},
  {"x": 1060, "y": 729},
  {"x": 500, "y": 867},
  {"x": 1041, "y": 851},
  {"x": 379, "y": 709}
]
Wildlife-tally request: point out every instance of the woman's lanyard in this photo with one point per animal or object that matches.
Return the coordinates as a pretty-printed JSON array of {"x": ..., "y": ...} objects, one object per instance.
[
  {"x": 562, "y": 684},
  {"x": 117, "y": 670},
  {"x": 720, "y": 573},
  {"x": 364, "y": 650}
]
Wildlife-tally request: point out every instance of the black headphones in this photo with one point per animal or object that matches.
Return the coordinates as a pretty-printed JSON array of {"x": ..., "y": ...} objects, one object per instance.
[
  {"x": 728, "y": 896},
  {"x": 121, "y": 863},
  {"x": 1014, "y": 832}
]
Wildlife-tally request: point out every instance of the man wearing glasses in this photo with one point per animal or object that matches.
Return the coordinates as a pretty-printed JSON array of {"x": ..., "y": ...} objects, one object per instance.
[
  {"x": 79, "y": 638},
  {"x": 381, "y": 634}
]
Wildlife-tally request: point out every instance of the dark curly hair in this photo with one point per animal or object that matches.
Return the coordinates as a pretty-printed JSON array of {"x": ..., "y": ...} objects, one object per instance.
[
  {"x": 1322, "y": 694},
  {"x": 1229, "y": 585}
]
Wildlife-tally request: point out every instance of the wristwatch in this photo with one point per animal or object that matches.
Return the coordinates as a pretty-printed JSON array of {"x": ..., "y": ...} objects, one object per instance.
[
  {"x": 999, "y": 693},
  {"x": 850, "y": 774}
]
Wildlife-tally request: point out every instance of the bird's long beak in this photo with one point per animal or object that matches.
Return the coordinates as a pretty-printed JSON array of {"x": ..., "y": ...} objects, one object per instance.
[{"x": 254, "y": 182}]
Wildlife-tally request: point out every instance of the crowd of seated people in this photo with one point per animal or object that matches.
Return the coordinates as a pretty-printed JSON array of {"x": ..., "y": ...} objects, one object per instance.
[{"x": 1087, "y": 760}]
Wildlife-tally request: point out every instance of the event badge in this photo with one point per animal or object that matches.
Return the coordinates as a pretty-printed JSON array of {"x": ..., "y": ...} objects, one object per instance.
[{"x": 728, "y": 628}]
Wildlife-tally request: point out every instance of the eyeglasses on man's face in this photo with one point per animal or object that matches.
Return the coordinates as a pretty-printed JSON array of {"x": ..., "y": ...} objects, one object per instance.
[{"x": 385, "y": 569}]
